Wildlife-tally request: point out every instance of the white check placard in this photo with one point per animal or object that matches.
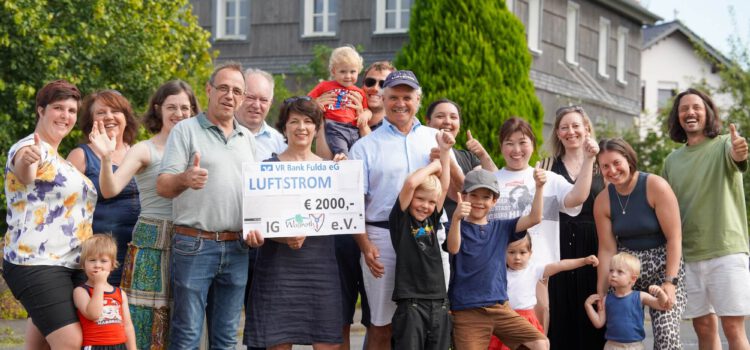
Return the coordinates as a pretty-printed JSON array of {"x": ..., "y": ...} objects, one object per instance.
[{"x": 287, "y": 199}]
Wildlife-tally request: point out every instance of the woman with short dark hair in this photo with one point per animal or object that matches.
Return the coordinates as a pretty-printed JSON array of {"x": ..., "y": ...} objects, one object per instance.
[
  {"x": 295, "y": 295},
  {"x": 115, "y": 215},
  {"x": 638, "y": 214},
  {"x": 50, "y": 208}
]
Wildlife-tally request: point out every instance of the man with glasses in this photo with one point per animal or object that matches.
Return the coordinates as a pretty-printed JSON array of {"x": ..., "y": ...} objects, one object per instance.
[{"x": 202, "y": 172}]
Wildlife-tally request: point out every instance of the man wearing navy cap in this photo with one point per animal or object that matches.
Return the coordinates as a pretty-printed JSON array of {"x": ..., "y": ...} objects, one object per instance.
[{"x": 390, "y": 153}]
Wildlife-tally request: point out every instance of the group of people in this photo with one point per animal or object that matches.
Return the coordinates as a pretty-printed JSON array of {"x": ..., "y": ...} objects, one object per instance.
[{"x": 446, "y": 256}]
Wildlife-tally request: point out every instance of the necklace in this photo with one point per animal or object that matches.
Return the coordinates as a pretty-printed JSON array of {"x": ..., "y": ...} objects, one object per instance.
[{"x": 620, "y": 201}]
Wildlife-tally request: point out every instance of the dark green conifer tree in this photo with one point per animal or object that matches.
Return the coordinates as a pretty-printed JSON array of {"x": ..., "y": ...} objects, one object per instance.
[{"x": 473, "y": 52}]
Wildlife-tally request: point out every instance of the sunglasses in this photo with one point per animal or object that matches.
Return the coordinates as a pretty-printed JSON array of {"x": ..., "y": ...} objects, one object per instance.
[
  {"x": 370, "y": 82},
  {"x": 297, "y": 98}
]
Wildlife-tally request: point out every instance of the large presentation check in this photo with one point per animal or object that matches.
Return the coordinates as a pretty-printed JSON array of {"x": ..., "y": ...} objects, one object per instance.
[{"x": 287, "y": 199}]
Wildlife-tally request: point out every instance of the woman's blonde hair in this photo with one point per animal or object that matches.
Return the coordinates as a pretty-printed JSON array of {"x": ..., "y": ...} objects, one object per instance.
[
  {"x": 628, "y": 261},
  {"x": 100, "y": 244},
  {"x": 554, "y": 141}
]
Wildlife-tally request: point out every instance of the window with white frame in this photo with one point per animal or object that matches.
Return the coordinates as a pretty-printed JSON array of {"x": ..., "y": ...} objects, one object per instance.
[
  {"x": 534, "y": 27},
  {"x": 603, "y": 46},
  {"x": 392, "y": 16},
  {"x": 666, "y": 90},
  {"x": 571, "y": 33},
  {"x": 232, "y": 19},
  {"x": 622, "y": 46},
  {"x": 320, "y": 17}
]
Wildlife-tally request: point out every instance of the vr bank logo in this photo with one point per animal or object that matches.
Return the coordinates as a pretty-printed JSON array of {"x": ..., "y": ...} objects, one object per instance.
[{"x": 266, "y": 167}]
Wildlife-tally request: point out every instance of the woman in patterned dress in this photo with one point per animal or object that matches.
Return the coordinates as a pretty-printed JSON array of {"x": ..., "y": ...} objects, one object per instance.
[
  {"x": 146, "y": 269},
  {"x": 50, "y": 208}
]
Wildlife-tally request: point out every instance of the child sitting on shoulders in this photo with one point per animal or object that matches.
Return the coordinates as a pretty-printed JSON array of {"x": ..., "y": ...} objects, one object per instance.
[
  {"x": 102, "y": 309},
  {"x": 523, "y": 276},
  {"x": 421, "y": 320},
  {"x": 477, "y": 292},
  {"x": 622, "y": 309},
  {"x": 347, "y": 113}
]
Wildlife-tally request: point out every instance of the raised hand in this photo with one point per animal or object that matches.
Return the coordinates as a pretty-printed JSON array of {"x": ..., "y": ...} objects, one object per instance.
[
  {"x": 474, "y": 146},
  {"x": 463, "y": 209},
  {"x": 31, "y": 154},
  {"x": 196, "y": 176},
  {"x": 445, "y": 140},
  {"x": 590, "y": 147},
  {"x": 99, "y": 277},
  {"x": 739, "y": 144},
  {"x": 100, "y": 141},
  {"x": 591, "y": 260},
  {"x": 540, "y": 175}
]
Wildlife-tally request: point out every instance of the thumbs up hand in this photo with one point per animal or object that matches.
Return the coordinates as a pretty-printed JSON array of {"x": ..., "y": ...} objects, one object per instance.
[
  {"x": 463, "y": 209},
  {"x": 474, "y": 146},
  {"x": 540, "y": 176},
  {"x": 30, "y": 155},
  {"x": 739, "y": 144},
  {"x": 590, "y": 147},
  {"x": 195, "y": 176}
]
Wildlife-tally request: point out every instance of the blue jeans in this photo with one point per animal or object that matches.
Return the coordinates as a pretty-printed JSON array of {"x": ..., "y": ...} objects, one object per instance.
[{"x": 197, "y": 265}]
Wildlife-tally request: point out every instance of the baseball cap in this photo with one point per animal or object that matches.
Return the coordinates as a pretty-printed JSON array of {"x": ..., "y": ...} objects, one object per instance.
[
  {"x": 480, "y": 178},
  {"x": 402, "y": 77}
]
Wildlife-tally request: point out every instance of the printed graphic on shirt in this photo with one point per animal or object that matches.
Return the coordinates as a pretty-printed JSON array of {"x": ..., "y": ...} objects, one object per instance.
[
  {"x": 423, "y": 236},
  {"x": 110, "y": 312},
  {"x": 342, "y": 100}
]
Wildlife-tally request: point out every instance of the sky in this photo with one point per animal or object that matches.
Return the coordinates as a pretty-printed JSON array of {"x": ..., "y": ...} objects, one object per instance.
[{"x": 710, "y": 19}]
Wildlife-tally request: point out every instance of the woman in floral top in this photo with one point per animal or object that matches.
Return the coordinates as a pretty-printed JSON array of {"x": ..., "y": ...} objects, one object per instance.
[{"x": 50, "y": 206}]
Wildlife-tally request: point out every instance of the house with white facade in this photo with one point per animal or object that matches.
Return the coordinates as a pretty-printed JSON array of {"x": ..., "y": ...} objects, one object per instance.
[{"x": 671, "y": 62}]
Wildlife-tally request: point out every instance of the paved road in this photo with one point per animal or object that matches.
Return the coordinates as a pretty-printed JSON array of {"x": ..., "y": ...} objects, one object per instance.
[{"x": 689, "y": 340}]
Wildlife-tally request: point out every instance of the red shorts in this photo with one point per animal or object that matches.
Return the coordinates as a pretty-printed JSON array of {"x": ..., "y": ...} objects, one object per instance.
[{"x": 530, "y": 315}]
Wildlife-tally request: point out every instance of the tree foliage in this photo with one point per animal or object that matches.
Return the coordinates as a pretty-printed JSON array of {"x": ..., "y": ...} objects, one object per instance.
[
  {"x": 473, "y": 52},
  {"x": 132, "y": 46}
]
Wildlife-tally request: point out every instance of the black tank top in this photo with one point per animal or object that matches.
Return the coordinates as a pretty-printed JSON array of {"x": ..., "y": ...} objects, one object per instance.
[{"x": 638, "y": 227}]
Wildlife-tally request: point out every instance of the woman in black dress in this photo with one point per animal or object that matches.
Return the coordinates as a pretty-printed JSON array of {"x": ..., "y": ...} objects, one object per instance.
[
  {"x": 569, "y": 328},
  {"x": 295, "y": 294}
]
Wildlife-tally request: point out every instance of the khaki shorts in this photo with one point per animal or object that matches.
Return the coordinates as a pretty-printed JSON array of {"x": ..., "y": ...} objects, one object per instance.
[
  {"x": 473, "y": 328},
  {"x": 720, "y": 285}
]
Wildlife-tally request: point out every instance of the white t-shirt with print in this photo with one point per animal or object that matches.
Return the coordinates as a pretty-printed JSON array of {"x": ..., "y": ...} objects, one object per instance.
[{"x": 517, "y": 190}]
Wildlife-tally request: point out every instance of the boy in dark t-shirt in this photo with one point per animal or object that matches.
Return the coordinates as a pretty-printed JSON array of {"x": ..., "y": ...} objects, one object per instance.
[{"x": 421, "y": 320}]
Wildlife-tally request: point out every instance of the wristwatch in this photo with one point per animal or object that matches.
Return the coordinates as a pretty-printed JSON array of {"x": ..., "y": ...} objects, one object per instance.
[{"x": 671, "y": 279}]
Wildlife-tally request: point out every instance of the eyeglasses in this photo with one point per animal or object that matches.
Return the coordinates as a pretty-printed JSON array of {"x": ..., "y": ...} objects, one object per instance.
[
  {"x": 224, "y": 89},
  {"x": 370, "y": 82},
  {"x": 297, "y": 98}
]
